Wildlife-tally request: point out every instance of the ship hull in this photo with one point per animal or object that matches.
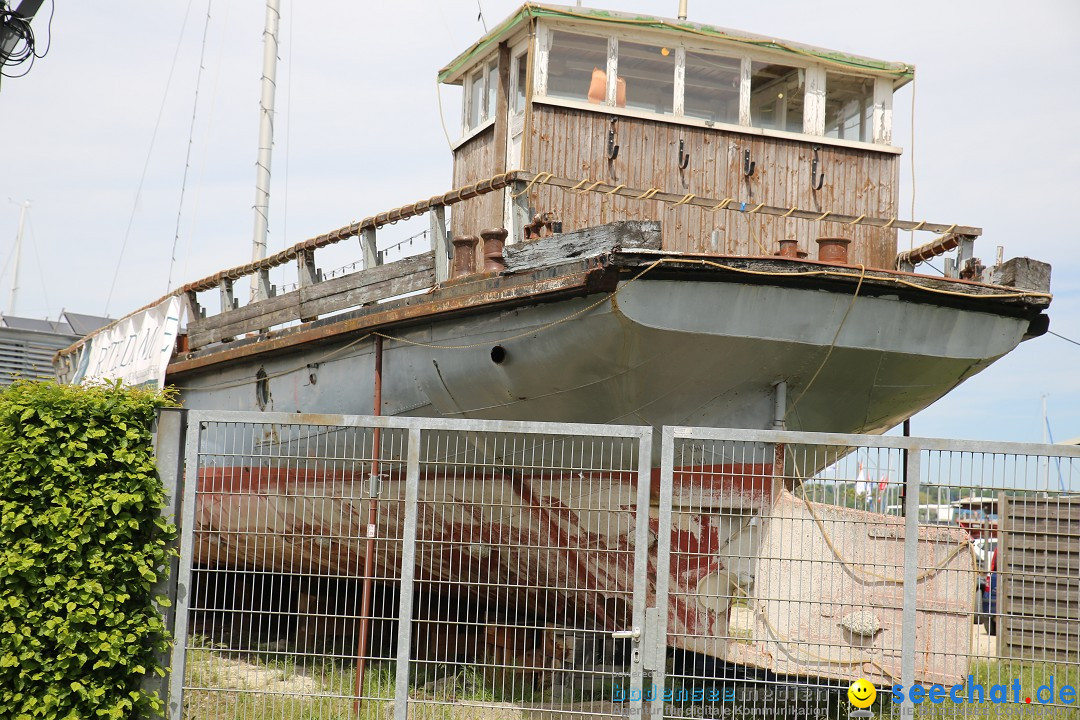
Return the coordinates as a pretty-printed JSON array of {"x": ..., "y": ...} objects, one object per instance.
[
  {"x": 669, "y": 352},
  {"x": 656, "y": 352}
]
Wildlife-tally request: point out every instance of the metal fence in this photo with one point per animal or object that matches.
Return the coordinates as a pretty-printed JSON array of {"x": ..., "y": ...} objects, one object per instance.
[{"x": 347, "y": 567}]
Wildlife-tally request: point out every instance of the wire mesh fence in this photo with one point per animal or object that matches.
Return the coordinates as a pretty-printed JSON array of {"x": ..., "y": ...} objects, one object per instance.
[{"x": 345, "y": 567}]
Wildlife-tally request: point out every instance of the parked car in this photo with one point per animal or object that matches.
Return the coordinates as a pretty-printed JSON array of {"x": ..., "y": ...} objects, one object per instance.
[{"x": 988, "y": 606}]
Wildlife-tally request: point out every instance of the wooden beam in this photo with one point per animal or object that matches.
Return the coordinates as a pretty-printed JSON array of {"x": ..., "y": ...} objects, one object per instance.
[
  {"x": 305, "y": 268},
  {"x": 745, "y": 76},
  {"x": 883, "y": 111},
  {"x": 814, "y": 101},
  {"x": 679, "y": 104},
  {"x": 440, "y": 243},
  {"x": 588, "y": 242},
  {"x": 371, "y": 250},
  {"x": 228, "y": 300}
]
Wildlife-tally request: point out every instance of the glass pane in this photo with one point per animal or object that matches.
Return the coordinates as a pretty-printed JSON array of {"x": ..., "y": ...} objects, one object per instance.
[
  {"x": 849, "y": 107},
  {"x": 712, "y": 88},
  {"x": 577, "y": 67},
  {"x": 776, "y": 97},
  {"x": 522, "y": 83},
  {"x": 646, "y": 77},
  {"x": 476, "y": 99},
  {"x": 492, "y": 89}
]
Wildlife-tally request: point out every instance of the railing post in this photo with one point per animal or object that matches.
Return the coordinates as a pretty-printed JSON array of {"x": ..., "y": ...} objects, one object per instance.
[
  {"x": 440, "y": 243},
  {"x": 911, "y": 576},
  {"x": 305, "y": 268},
  {"x": 264, "y": 288},
  {"x": 309, "y": 275},
  {"x": 228, "y": 299},
  {"x": 371, "y": 251},
  {"x": 519, "y": 212},
  {"x": 197, "y": 311}
]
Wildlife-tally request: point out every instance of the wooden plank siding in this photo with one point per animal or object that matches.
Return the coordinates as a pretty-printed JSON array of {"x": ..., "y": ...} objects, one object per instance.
[
  {"x": 572, "y": 143},
  {"x": 475, "y": 160},
  {"x": 1039, "y": 578}
]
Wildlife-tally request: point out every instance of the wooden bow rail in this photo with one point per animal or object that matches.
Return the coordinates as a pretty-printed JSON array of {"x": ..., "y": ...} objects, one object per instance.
[{"x": 316, "y": 296}]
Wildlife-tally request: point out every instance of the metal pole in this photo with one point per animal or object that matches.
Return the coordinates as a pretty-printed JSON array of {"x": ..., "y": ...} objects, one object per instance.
[
  {"x": 259, "y": 281},
  {"x": 904, "y": 468},
  {"x": 909, "y": 613},
  {"x": 373, "y": 510},
  {"x": 408, "y": 572},
  {"x": 24, "y": 206}
]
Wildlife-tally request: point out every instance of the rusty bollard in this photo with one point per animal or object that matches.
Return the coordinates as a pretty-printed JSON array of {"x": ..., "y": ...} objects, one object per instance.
[
  {"x": 464, "y": 255},
  {"x": 494, "y": 240},
  {"x": 833, "y": 249},
  {"x": 788, "y": 248}
]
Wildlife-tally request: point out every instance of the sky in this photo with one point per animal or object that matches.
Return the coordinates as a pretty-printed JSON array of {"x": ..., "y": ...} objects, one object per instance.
[{"x": 113, "y": 107}]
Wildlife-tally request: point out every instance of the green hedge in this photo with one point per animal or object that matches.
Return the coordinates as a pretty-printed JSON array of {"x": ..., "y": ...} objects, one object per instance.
[{"x": 81, "y": 542}]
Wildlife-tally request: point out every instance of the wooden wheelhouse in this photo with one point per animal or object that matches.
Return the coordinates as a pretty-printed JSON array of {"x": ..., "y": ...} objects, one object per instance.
[{"x": 681, "y": 108}]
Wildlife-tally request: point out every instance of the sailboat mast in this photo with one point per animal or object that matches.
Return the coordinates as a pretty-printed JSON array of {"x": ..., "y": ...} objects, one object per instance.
[
  {"x": 260, "y": 281},
  {"x": 24, "y": 206}
]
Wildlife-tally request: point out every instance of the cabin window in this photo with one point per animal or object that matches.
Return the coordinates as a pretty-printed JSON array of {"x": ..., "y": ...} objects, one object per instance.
[
  {"x": 577, "y": 67},
  {"x": 521, "y": 83},
  {"x": 849, "y": 107},
  {"x": 776, "y": 96},
  {"x": 492, "y": 89},
  {"x": 711, "y": 87},
  {"x": 481, "y": 91},
  {"x": 646, "y": 77}
]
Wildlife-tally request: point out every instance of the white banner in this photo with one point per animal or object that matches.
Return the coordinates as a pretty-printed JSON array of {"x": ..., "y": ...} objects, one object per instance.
[{"x": 136, "y": 350}]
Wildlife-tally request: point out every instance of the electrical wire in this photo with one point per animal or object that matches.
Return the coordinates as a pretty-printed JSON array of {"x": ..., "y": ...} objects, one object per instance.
[
  {"x": 25, "y": 49},
  {"x": 37, "y": 257},
  {"x": 1074, "y": 342},
  {"x": 191, "y": 140},
  {"x": 149, "y": 154}
]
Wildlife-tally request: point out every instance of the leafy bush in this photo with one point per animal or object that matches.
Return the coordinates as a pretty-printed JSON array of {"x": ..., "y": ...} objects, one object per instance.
[{"x": 82, "y": 544}]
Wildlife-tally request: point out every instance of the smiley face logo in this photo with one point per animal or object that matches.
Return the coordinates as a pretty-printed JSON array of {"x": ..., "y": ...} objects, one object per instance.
[{"x": 862, "y": 693}]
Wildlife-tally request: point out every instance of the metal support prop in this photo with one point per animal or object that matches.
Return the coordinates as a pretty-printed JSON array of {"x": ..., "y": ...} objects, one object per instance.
[
  {"x": 369, "y": 554},
  {"x": 911, "y": 575},
  {"x": 408, "y": 571}
]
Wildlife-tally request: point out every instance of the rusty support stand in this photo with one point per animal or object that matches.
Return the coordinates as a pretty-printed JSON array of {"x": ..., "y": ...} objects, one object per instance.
[{"x": 369, "y": 555}]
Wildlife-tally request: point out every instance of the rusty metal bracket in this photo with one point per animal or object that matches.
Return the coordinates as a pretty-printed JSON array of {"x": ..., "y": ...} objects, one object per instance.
[
  {"x": 684, "y": 157},
  {"x": 748, "y": 165},
  {"x": 612, "y": 148}
]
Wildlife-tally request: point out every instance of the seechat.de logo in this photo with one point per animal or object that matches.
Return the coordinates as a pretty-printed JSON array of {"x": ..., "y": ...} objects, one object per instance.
[{"x": 861, "y": 694}]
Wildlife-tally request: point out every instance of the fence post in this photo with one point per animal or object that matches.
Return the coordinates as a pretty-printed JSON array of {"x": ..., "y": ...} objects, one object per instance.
[
  {"x": 169, "y": 452},
  {"x": 408, "y": 570},
  {"x": 911, "y": 575},
  {"x": 185, "y": 526}
]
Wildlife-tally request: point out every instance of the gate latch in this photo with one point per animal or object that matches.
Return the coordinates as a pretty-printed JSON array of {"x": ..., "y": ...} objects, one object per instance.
[{"x": 374, "y": 489}]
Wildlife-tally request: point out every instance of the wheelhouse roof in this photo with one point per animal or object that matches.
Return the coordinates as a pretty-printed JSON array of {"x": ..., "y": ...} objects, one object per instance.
[{"x": 453, "y": 72}]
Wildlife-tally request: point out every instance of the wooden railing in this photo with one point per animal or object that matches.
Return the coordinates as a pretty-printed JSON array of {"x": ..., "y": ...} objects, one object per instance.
[{"x": 316, "y": 296}]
